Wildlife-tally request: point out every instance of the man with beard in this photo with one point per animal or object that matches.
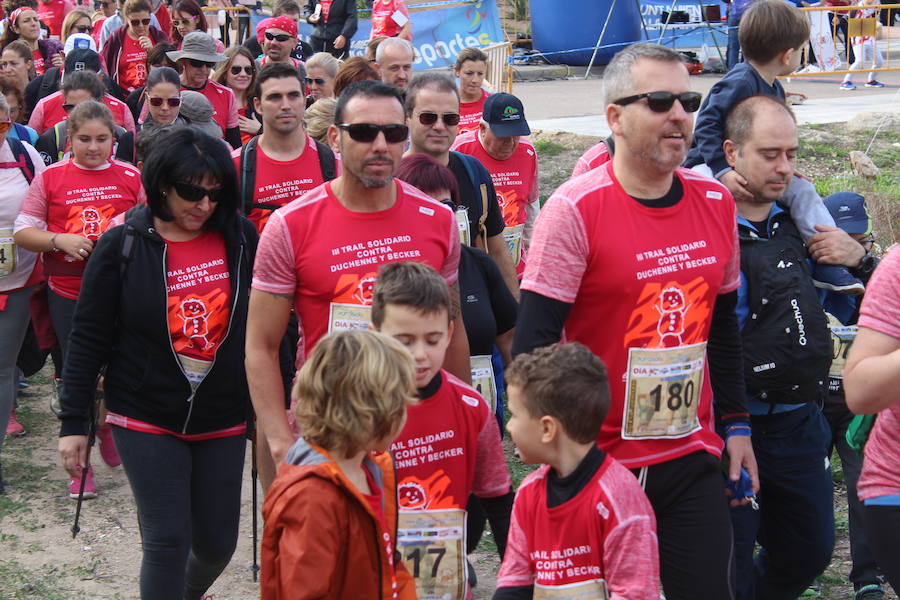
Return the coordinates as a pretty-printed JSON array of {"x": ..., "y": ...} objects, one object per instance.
[
  {"x": 638, "y": 260},
  {"x": 320, "y": 254},
  {"x": 787, "y": 352}
]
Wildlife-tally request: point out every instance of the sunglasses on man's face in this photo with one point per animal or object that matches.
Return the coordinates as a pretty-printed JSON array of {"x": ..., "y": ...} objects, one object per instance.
[
  {"x": 315, "y": 80},
  {"x": 368, "y": 132},
  {"x": 81, "y": 28},
  {"x": 195, "y": 193},
  {"x": 200, "y": 64},
  {"x": 173, "y": 102},
  {"x": 663, "y": 101},
  {"x": 280, "y": 37},
  {"x": 139, "y": 22},
  {"x": 430, "y": 118},
  {"x": 236, "y": 70}
]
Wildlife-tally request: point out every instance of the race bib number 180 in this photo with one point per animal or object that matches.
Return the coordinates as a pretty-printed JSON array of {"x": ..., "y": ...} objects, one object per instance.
[
  {"x": 662, "y": 392},
  {"x": 432, "y": 545}
]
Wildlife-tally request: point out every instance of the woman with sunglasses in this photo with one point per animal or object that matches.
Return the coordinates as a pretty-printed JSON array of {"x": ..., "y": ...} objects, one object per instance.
[
  {"x": 17, "y": 278},
  {"x": 77, "y": 21},
  {"x": 239, "y": 74},
  {"x": 177, "y": 393},
  {"x": 156, "y": 57},
  {"x": 68, "y": 208},
  {"x": 125, "y": 51},
  {"x": 321, "y": 70},
  {"x": 163, "y": 98},
  {"x": 22, "y": 24},
  {"x": 187, "y": 16}
]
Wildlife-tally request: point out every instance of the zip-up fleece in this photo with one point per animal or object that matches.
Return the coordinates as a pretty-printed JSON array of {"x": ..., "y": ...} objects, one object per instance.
[
  {"x": 322, "y": 539},
  {"x": 121, "y": 322}
]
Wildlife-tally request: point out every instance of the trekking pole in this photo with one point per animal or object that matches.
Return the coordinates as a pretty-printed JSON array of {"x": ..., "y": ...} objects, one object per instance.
[
  {"x": 92, "y": 431},
  {"x": 254, "y": 476}
]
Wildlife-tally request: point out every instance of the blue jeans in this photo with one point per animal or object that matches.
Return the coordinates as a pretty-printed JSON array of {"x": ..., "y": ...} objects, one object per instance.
[
  {"x": 795, "y": 521},
  {"x": 733, "y": 53}
]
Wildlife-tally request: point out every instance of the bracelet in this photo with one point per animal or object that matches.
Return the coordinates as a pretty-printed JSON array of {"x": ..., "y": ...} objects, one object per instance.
[{"x": 53, "y": 243}]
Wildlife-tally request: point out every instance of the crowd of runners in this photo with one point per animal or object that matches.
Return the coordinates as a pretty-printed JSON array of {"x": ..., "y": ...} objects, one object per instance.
[{"x": 349, "y": 265}]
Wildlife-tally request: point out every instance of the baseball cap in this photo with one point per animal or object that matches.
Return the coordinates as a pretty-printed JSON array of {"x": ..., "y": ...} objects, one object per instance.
[
  {"x": 82, "y": 59},
  {"x": 849, "y": 212},
  {"x": 505, "y": 115},
  {"x": 79, "y": 40}
]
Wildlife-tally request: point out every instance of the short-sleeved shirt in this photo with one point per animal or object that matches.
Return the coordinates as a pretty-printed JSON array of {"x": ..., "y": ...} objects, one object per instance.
[
  {"x": 327, "y": 256},
  {"x": 470, "y": 114},
  {"x": 49, "y": 111},
  {"x": 470, "y": 197},
  {"x": 280, "y": 182},
  {"x": 880, "y": 311},
  {"x": 607, "y": 532},
  {"x": 53, "y": 14},
  {"x": 383, "y": 23},
  {"x": 594, "y": 157},
  {"x": 642, "y": 283}
]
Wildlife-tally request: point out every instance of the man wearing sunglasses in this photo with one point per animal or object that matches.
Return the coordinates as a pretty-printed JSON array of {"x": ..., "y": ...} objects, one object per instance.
[
  {"x": 196, "y": 59},
  {"x": 334, "y": 24},
  {"x": 637, "y": 259},
  {"x": 320, "y": 254},
  {"x": 432, "y": 112},
  {"x": 279, "y": 40}
]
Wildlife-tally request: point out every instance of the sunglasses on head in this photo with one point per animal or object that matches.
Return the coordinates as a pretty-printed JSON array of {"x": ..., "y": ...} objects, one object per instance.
[
  {"x": 367, "y": 132},
  {"x": 81, "y": 28},
  {"x": 4, "y": 126},
  {"x": 662, "y": 101},
  {"x": 173, "y": 102},
  {"x": 195, "y": 193},
  {"x": 139, "y": 22},
  {"x": 430, "y": 118},
  {"x": 236, "y": 70},
  {"x": 280, "y": 37},
  {"x": 184, "y": 22},
  {"x": 315, "y": 80},
  {"x": 199, "y": 64}
]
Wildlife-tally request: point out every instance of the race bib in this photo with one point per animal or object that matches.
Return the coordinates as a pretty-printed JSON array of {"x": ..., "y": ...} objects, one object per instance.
[
  {"x": 662, "y": 391},
  {"x": 842, "y": 337},
  {"x": 513, "y": 238},
  {"x": 432, "y": 545},
  {"x": 583, "y": 590},
  {"x": 483, "y": 379},
  {"x": 348, "y": 316},
  {"x": 7, "y": 252},
  {"x": 195, "y": 370},
  {"x": 462, "y": 221}
]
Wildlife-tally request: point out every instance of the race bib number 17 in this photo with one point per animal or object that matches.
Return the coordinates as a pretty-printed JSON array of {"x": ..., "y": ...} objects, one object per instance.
[
  {"x": 662, "y": 392},
  {"x": 432, "y": 545}
]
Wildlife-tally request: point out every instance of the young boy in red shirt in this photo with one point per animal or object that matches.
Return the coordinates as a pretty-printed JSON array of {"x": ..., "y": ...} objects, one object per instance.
[
  {"x": 450, "y": 446},
  {"x": 581, "y": 525}
]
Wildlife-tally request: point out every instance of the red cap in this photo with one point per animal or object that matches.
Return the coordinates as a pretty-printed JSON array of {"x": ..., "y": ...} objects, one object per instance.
[
  {"x": 261, "y": 29},
  {"x": 283, "y": 23}
]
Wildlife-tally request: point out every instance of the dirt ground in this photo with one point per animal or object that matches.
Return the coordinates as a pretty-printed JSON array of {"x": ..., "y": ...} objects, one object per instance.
[{"x": 40, "y": 560}]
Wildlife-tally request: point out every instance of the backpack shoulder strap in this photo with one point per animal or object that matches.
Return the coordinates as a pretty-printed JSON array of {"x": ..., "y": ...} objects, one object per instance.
[
  {"x": 20, "y": 153},
  {"x": 61, "y": 131},
  {"x": 327, "y": 161},
  {"x": 50, "y": 82},
  {"x": 248, "y": 174},
  {"x": 127, "y": 249},
  {"x": 480, "y": 185}
]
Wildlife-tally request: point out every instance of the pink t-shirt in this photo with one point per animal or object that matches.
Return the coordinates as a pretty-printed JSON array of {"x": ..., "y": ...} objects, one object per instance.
[
  {"x": 881, "y": 311},
  {"x": 383, "y": 23},
  {"x": 593, "y": 158},
  {"x": 642, "y": 283},
  {"x": 606, "y": 532}
]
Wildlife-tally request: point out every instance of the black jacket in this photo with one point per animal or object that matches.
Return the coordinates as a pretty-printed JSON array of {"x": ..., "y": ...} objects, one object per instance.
[
  {"x": 341, "y": 20},
  {"x": 121, "y": 322}
]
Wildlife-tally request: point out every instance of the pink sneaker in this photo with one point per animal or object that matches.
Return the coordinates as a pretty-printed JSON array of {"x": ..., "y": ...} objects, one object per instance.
[
  {"x": 90, "y": 490},
  {"x": 108, "y": 447},
  {"x": 13, "y": 427}
]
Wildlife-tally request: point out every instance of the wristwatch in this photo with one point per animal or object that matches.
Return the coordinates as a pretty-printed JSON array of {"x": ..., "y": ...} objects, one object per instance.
[{"x": 866, "y": 264}]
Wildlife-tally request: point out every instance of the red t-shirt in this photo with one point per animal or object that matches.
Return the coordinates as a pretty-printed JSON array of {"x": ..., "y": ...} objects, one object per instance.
[
  {"x": 53, "y": 13},
  {"x": 470, "y": 114},
  {"x": 383, "y": 23},
  {"x": 280, "y": 182},
  {"x": 71, "y": 199},
  {"x": 327, "y": 256},
  {"x": 199, "y": 289},
  {"x": 604, "y": 537},
  {"x": 516, "y": 184},
  {"x": 98, "y": 27},
  {"x": 642, "y": 283},
  {"x": 594, "y": 157},
  {"x": 49, "y": 111},
  {"x": 132, "y": 64},
  {"x": 326, "y": 8},
  {"x": 38, "y": 59}
]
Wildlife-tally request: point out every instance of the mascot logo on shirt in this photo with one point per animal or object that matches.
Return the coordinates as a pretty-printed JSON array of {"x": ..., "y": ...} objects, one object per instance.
[
  {"x": 426, "y": 494},
  {"x": 197, "y": 321},
  {"x": 513, "y": 207},
  {"x": 196, "y": 327},
  {"x": 89, "y": 221},
  {"x": 353, "y": 288},
  {"x": 669, "y": 314}
]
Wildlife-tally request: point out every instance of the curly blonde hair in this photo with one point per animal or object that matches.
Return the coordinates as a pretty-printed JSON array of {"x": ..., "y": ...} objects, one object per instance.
[{"x": 353, "y": 390}]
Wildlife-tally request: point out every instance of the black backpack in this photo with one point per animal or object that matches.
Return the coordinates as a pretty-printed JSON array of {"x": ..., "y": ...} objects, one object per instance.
[
  {"x": 787, "y": 346},
  {"x": 327, "y": 164}
]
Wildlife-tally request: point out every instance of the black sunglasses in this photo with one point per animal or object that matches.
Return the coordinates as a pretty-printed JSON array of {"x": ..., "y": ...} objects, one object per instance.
[
  {"x": 137, "y": 22},
  {"x": 176, "y": 101},
  {"x": 199, "y": 64},
  {"x": 236, "y": 70},
  {"x": 196, "y": 193},
  {"x": 430, "y": 118},
  {"x": 81, "y": 28},
  {"x": 68, "y": 107},
  {"x": 367, "y": 132},
  {"x": 662, "y": 101},
  {"x": 280, "y": 37},
  {"x": 316, "y": 80}
]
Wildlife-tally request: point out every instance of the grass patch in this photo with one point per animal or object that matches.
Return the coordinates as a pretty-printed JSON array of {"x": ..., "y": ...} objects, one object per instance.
[
  {"x": 19, "y": 583},
  {"x": 547, "y": 148}
]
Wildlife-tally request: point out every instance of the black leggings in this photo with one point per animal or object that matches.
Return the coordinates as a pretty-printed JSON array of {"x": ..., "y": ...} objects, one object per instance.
[
  {"x": 188, "y": 497},
  {"x": 882, "y": 529}
]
